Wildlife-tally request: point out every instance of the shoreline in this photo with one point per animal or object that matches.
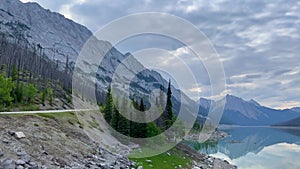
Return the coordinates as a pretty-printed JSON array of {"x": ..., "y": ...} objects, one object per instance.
[{"x": 203, "y": 161}]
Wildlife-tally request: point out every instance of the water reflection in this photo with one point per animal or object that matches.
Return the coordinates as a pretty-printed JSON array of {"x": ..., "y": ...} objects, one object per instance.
[
  {"x": 257, "y": 147},
  {"x": 278, "y": 156}
]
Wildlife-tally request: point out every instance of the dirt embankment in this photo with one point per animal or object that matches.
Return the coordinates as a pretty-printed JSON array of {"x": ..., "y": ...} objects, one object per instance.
[{"x": 49, "y": 143}]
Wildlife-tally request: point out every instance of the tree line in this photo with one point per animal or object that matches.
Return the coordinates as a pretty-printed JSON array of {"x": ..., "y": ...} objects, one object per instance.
[
  {"x": 27, "y": 74},
  {"x": 140, "y": 130}
]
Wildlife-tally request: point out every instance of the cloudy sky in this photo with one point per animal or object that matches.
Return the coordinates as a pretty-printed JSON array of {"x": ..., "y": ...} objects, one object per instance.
[{"x": 258, "y": 41}]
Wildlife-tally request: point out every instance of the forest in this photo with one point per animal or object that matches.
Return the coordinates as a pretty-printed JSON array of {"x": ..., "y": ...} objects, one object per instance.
[{"x": 28, "y": 78}]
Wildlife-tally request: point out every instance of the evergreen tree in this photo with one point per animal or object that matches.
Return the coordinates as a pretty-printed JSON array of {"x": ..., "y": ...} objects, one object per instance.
[
  {"x": 152, "y": 129},
  {"x": 142, "y": 127},
  {"x": 132, "y": 125},
  {"x": 123, "y": 122},
  {"x": 109, "y": 106},
  {"x": 115, "y": 120},
  {"x": 169, "y": 116}
]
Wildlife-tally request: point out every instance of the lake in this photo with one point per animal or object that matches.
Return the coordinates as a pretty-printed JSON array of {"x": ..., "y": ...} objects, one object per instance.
[{"x": 256, "y": 147}]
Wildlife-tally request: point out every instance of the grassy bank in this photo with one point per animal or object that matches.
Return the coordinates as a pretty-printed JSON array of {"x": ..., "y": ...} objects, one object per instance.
[{"x": 175, "y": 158}]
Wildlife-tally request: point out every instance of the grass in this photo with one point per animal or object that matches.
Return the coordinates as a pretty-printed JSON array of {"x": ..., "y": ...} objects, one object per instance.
[
  {"x": 30, "y": 108},
  {"x": 57, "y": 115},
  {"x": 176, "y": 158}
]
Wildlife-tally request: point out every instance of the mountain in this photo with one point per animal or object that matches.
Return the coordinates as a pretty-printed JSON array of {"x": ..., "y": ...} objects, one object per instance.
[
  {"x": 61, "y": 40},
  {"x": 293, "y": 123},
  {"x": 296, "y": 109},
  {"x": 249, "y": 113},
  {"x": 58, "y": 36}
]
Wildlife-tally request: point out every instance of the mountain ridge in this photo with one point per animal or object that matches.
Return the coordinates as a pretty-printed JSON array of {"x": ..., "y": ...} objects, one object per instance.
[{"x": 240, "y": 112}]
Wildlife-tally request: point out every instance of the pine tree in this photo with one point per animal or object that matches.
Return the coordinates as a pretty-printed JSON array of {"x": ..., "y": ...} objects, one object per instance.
[
  {"x": 115, "y": 120},
  {"x": 142, "y": 127},
  {"x": 169, "y": 116},
  {"x": 152, "y": 130},
  {"x": 123, "y": 122},
  {"x": 109, "y": 106}
]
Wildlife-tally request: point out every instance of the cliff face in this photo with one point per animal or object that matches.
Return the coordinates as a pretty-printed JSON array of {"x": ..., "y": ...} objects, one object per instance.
[{"x": 60, "y": 37}]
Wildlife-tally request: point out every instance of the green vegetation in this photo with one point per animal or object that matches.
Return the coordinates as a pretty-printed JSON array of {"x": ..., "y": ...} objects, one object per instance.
[
  {"x": 6, "y": 88},
  {"x": 171, "y": 160},
  {"x": 130, "y": 128},
  {"x": 22, "y": 93},
  {"x": 58, "y": 116}
]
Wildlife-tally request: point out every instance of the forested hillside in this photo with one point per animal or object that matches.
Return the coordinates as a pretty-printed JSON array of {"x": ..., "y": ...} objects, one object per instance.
[{"x": 28, "y": 79}]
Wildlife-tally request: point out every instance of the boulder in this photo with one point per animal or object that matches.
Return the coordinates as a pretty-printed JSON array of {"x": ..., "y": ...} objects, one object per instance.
[
  {"x": 8, "y": 164},
  {"x": 20, "y": 162},
  {"x": 19, "y": 135}
]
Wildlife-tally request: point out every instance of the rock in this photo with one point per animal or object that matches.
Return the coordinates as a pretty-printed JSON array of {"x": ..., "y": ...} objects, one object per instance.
[
  {"x": 133, "y": 164},
  {"x": 6, "y": 141},
  {"x": 196, "y": 167},
  {"x": 20, "y": 162},
  {"x": 140, "y": 167},
  {"x": 19, "y": 167},
  {"x": 103, "y": 165},
  {"x": 25, "y": 158},
  {"x": 10, "y": 132},
  {"x": 148, "y": 161},
  {"x": 1, "y": 153},
  {"x": 33, "y": 165},
  {"x": 168, "y": 153},
  {"x": 19, "y": 135},
  {"x": 61, "y": 162},
  {"x": 8, "y": 164}
]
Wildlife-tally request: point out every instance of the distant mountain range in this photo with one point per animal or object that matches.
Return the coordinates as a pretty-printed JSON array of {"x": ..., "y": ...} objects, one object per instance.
[
  {"x": 250, "y": 113},
  {"x": 290, "y": 123}
]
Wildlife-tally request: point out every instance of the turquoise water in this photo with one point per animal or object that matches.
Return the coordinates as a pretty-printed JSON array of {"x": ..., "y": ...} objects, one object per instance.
[{"x": 257, "y": 147}]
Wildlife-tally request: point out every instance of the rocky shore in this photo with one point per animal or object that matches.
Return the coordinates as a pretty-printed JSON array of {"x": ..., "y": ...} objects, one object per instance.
[
  {"x": 44, "y": 142},
  {"x": 202, "y": 161}
]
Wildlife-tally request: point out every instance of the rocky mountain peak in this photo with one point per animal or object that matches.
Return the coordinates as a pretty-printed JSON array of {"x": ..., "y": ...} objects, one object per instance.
[{"x": 58, "y": 36}]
